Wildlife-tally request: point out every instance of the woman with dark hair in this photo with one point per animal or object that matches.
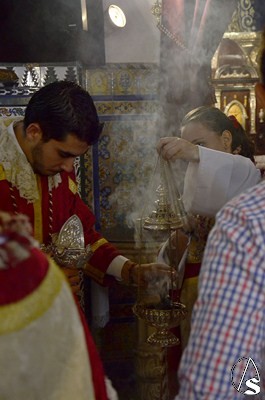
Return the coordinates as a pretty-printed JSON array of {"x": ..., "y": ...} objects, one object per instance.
[
  {"x": 212, "y": 177},
  {"x": 233, "y": 137}
]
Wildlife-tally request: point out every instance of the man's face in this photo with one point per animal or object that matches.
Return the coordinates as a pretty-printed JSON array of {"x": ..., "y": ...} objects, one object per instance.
[{"x": 53, "y": 156}]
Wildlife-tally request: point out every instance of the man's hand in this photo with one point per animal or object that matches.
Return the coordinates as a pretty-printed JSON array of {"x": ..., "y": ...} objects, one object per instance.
[
  {"x": 73, "y": 279},
  {"x": 173, "y": 148},
  {"x": 151, "y": 275}
]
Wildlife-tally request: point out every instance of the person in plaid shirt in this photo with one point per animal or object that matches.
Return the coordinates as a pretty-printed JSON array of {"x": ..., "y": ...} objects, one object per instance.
[{"x": 229, "y": 315}]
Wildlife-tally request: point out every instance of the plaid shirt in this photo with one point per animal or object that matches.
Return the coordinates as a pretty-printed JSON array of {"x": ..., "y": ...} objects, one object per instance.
[{"x": 228, "y": 322}]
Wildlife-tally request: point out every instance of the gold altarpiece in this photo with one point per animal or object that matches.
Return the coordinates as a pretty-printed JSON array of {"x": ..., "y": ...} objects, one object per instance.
[{"x": 234, "y": 75}]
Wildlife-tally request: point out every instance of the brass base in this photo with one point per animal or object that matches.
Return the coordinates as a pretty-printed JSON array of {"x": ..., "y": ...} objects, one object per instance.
[
  {"x": 162, "y": 320},
  {"x": 163, "y": 338}
]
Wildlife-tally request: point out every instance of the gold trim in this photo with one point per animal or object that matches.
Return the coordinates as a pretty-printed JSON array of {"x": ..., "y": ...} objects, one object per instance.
[
  {"x": 242, "y": 35},
  {"x": 192, "y": 281},
  {"x": 94, "y": 273},
  {"x": 72, "y": 185},
  {"x": 16, "y": 316},
  {"x": 97, "y": 244},
  {"x": 2, "y": 174},
  {"x": 38, "y": 228}
]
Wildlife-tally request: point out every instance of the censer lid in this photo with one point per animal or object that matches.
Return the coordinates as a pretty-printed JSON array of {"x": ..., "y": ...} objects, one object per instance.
[{"x": 163, "y": 218}]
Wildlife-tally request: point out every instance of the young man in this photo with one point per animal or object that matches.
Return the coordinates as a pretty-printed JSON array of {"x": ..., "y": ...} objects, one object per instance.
[{"x": 37, "y": 178}]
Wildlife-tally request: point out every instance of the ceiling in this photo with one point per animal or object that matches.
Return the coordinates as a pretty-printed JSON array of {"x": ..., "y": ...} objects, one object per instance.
[
  {"x": 55, "y": 32},
  {"x": 138, "y": 41}
]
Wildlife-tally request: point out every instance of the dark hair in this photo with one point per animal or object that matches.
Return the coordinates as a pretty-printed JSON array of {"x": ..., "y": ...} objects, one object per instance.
[
  {"x": 61, "y": 108},
  {"x": 216, "y": 120}
]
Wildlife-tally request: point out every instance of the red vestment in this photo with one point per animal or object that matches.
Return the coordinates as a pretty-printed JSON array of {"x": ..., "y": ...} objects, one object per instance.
[
  {"x": 65, "y": 203},
  {"x": 39, "y": 318}
]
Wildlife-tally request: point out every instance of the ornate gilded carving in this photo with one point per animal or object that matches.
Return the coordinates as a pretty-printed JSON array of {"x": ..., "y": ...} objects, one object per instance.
[
  {"x": 247, "y": 14},
  {"x": 68, "y": 247},
  {"x": 237, "y": 109},
  {"x": 252, "y": 110},
  {"x": 234, "y": 72},
  {"x": 243, "y": 18},
  {"x": 231, "y": 79},
  {"x": 249, "y": 43},
  {"x": 151, "y": 370},
  {"x": 162, "y": 319}
]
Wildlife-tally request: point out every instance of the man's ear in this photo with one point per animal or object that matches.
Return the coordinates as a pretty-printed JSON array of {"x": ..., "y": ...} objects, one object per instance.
[
  {"x": 34, "y": 132},
  {"x": 226, "y": 138}
]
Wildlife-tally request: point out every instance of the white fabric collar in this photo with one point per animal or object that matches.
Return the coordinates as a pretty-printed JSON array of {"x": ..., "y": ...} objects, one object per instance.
[{"x": 17, "y": 168}]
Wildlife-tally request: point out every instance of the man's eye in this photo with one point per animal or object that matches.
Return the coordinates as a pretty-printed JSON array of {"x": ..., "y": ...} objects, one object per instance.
[{"x": 63, "y": 155}]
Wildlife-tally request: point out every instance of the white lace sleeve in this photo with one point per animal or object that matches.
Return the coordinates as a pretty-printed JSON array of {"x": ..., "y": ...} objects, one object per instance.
[
  {"x": 217, "y": 178},
  {"x": 111, "y": 392}
]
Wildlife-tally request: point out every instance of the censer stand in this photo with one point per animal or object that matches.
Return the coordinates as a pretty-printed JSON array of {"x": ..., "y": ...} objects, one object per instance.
[{"x": 167, "y": 313}]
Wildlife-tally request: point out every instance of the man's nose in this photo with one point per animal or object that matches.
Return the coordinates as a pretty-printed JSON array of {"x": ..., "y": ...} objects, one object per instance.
[{"x": 68, "y": 164}]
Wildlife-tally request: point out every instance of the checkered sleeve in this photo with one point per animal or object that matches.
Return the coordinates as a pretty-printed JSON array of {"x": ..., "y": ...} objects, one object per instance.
[{"x": 228, "y": 318}]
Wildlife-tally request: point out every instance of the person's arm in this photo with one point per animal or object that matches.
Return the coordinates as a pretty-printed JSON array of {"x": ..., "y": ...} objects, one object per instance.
[
  {"x": 212, "y": 177},
  {"x": 228, "y": 317},
  {"x": 174, "y": 252},
  {"x": 106, "y": 263},
  {"x": 216, "y": 179}
]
